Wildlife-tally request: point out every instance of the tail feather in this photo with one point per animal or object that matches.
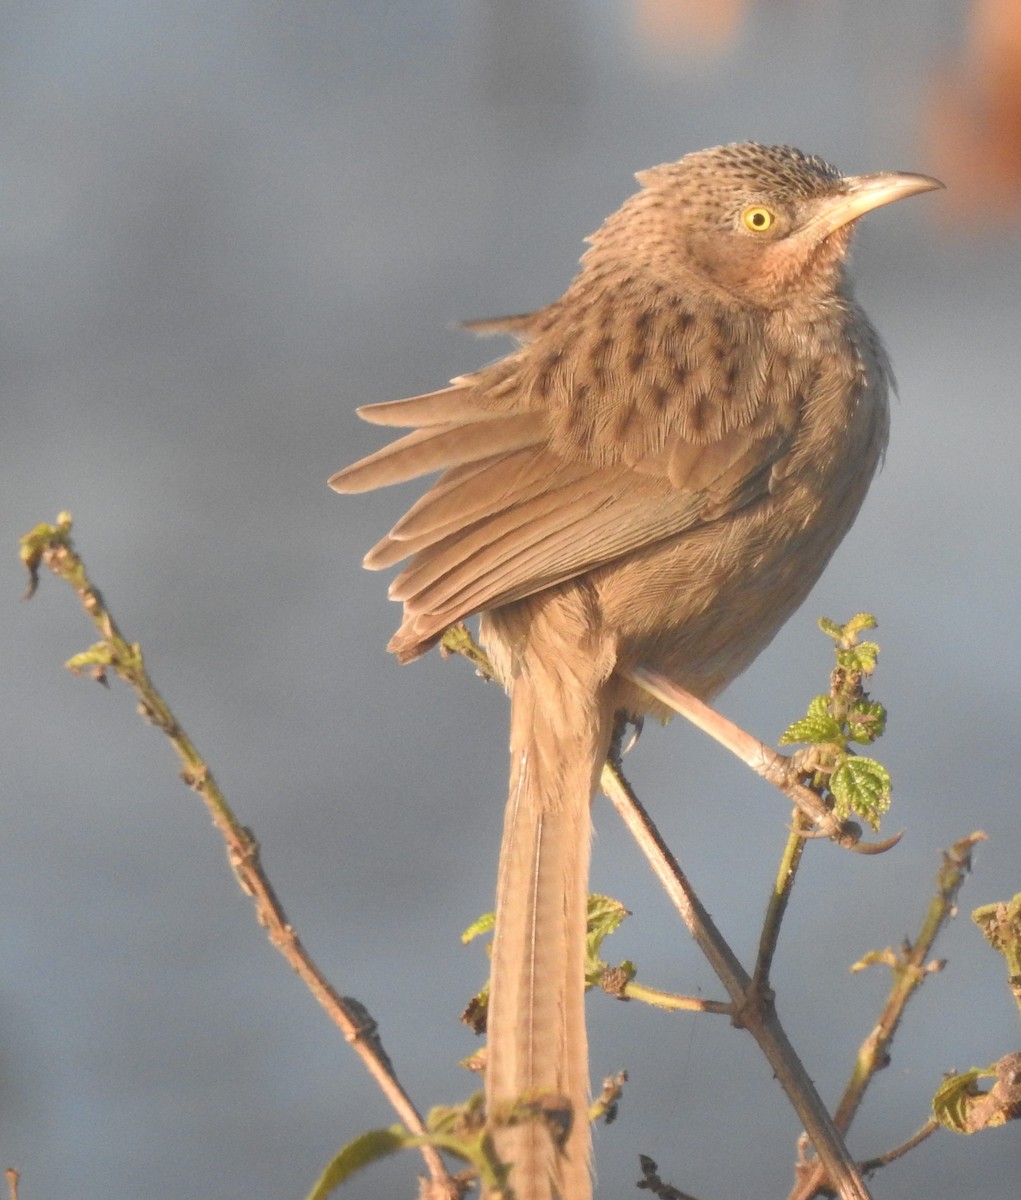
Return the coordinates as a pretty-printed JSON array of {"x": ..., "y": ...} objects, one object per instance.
[{"x": 538, "y": 1049}]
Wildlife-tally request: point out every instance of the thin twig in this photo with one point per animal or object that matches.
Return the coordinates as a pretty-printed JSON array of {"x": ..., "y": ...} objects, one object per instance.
[
  {"x": 672, "y": 1002},
  {"x": 916, "y": 1139},
  {"x": 778, "y": 901},
  {"x": 755, "y": 1013},
  {"x": 909, "y": 971},
  {"x": 651, "y": 1182},
  {"x": 51, "y": 546},
  {"x": 910, "y": 968}
]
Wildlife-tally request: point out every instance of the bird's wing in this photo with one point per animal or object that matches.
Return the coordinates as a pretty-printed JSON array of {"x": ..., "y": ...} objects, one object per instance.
[
  {"x": 516, "y": 510},
  {"x": 521, "y": 326}
]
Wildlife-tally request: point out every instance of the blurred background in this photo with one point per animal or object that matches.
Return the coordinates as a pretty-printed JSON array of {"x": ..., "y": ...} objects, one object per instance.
[{"x": 223, "y": 227}]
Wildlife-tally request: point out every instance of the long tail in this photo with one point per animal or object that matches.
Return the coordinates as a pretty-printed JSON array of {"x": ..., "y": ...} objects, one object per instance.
[{"x": 538, "y": 1048}]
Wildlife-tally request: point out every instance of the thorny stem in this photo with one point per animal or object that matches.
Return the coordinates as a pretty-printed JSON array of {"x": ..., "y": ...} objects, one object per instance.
[{"x": 51, "y": 546}]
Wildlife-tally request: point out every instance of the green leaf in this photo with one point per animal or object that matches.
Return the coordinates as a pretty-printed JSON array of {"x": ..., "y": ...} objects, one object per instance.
[
  {"x": 866, "y": 722},
  {"x": 875, "y": 958},
  {"x": 98, "y": 655},
  {"x": 123, "y": 657},
  {"x": 370, "y": 1147},
  {"x": 37, "y": 541},
  {"x": 847, "y": 635},
  {"x": 861, "y": 786},
  {"x": 457, "y": 1129},
  {"x": 954, "y": 1098},
  {"x": 816, "y": 727},
  {"x": 860, "y": 657},
  {"x": 831, "y": 628},
  {"x": 484, "y": 924},
  {"x": 604, "y": 917},
  {"x": 853, "y": 655},
  {"x": 858, "y": 622},
  {"x": 813, "y": 731},
  {"x": 1001, "y": 927}
]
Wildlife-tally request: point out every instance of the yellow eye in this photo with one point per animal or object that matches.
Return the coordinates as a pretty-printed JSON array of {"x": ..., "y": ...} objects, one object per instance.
[{"x": 757, "y": 219}]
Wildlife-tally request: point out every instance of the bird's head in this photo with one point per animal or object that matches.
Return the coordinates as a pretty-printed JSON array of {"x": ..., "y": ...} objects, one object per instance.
[{"x": 763, "y": 225}]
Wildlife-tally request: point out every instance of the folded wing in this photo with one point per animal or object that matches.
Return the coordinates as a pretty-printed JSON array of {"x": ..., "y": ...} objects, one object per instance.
[{"x": 512, "y": 513}]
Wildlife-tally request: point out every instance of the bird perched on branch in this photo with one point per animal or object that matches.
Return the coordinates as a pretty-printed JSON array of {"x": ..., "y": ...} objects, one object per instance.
[{"x": 654, "y": 478}]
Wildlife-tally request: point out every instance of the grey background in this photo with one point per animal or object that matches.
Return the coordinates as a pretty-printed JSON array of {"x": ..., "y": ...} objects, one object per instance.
[{"x": 223, "y": 227}]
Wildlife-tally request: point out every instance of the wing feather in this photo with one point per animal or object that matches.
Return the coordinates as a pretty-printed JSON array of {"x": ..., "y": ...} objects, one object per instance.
[
  {"x": 494, "y": 485},
  {"x": 447, "y": 406},
  {"x": 435, "y": 447}
]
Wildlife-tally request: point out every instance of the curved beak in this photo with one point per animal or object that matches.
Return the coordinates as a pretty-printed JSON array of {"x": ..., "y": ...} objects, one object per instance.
[{"x": 862, "y": 193}]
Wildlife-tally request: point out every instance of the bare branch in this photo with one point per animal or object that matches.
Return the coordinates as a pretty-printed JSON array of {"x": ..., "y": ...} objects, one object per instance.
[{"x": 51, "y": 546}]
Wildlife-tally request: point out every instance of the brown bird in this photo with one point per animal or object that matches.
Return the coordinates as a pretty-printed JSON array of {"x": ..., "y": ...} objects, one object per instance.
[{"x": 655, "y": 478}]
